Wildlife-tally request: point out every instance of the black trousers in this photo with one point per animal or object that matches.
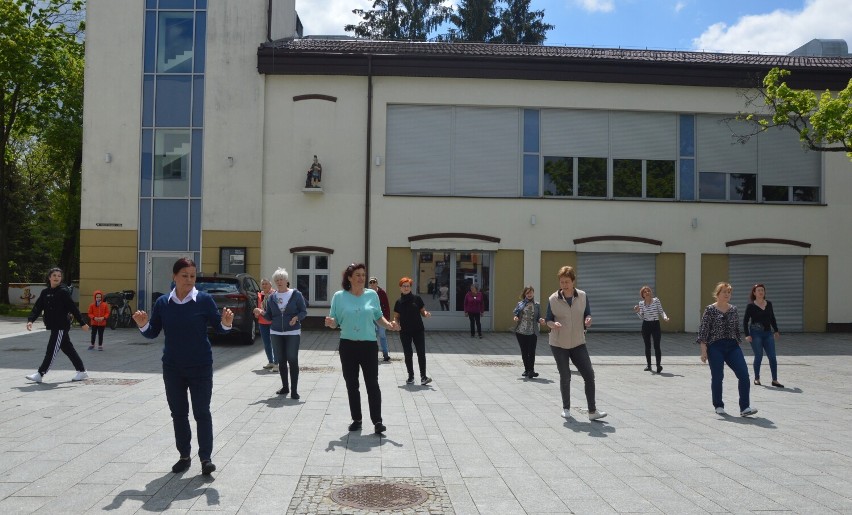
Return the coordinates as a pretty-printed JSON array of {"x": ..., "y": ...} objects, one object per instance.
[
  {"x": 358, "y": 355},
  {"x": 183, "y": 384},
  {"x": 99, "y": 331},
  {"x": 419, "y": 339},
  {"x": 475, "y": 323},
  {"x": 580, "y": 357},
  {"x": 59, "y": 340},
  {"x": 286, "y": 348},
  {"x": 651, "y": 329},
  {"x": 527, "y": 342}
]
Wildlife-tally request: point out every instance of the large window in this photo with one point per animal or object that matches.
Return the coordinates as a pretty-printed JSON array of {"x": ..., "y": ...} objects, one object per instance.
[
  {"x": 312, "y": 278},
  {"x": 724, "y": 186}
]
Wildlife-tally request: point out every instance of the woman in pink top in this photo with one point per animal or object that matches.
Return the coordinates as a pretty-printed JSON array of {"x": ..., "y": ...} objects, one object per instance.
[{"x": 473, "y": 308}]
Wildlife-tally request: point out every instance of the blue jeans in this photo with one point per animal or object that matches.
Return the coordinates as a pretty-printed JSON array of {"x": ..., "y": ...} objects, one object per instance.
[
  {"x": 267, "y": 342},
  {"x": 198, "y": 381},
  {"x": 763, "y": 341},
  {"x": 382, "y": 335},
  {"x": 728, "y": 352},
  {"x": 287, "y": 350}
]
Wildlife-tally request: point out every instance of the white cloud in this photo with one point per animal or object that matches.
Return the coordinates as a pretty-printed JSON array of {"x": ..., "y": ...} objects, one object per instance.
[
  {"x": 679, "y": 6},
  {"x": 780, "y": 31},
  {"x": 604, "y": 6},
  {"x": 328, "y": 17}
]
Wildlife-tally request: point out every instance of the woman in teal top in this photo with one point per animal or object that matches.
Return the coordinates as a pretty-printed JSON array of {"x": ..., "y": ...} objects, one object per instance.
[{"x": 356, "y": 310}]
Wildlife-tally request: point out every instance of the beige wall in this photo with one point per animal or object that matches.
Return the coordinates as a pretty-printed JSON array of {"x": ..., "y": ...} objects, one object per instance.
[
  {"x": 108, "y": 262},
  {"x": 507, "y": 287},
  {"x": 815, "y": 297},
  {"x": 551, "y": 262},
  {"x": 398, "y": 266},
  {"x": 671, "y": 289},
  {"x": 211, "y": 241},
  {"x": 714, "y": 269}
]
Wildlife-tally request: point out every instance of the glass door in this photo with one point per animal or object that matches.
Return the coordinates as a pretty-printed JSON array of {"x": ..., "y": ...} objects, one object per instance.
[
  {"x": 158, "y": 275},
  {"x": 443, "y": 278}
]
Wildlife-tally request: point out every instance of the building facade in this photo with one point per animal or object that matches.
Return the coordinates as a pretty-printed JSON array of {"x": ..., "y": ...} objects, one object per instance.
[{"x": 454, "y": 164}]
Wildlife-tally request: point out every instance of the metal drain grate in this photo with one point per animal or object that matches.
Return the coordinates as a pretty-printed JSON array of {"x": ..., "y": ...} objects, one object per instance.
[
  {"x": 316, "y": 370},
  {"x": 112, "y": 381},
  {"x": 380, "y": 496},
  {"x": 17, "y": 349},
  {"x": 492, "y": 363}
]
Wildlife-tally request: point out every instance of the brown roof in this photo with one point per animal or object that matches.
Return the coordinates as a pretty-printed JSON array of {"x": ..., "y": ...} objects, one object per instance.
[{"x": 534, "y": 62}]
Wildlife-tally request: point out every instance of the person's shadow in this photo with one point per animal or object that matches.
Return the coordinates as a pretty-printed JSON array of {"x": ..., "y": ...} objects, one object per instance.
[
  {"x": 542, "y": 380},
  {"x": 356, "y": 441},
  {"x": 184, "y": 488}
]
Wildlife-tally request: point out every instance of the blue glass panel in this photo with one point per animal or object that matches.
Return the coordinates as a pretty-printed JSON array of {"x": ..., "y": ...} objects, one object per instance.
[
  {"x": 148, "y": 101},
  {"x": 198, "y": 101},
  {"x": 687, "y": 135},
  {"x": 145, "y": 224},
  {"x": 531, "y": 176},
  {"x": 140, "y": 273},
  {"x": 176, "y": 4},
  {"x": 531, "y": 130},
  {"x": 200, "y": 41},
  {"x": 147, "y": 163},
  {"x": 687, "y": 179},
  {"x": 172, "y": 148},
  {"x": 174, "y": 42},
  {"x": 174, "y": 100},
  {"x": 170, "y": 225},
  {"x": 150, "y": 41},
  {"x": 150, "y": 4},
  {"x": 196, "y": 174},
  {"x": 201, "y": 4},
  {"x": 195, "y": 225}
]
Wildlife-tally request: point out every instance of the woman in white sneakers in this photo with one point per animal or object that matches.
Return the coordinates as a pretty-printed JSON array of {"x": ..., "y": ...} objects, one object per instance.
[{"x": 55, "y": 303}]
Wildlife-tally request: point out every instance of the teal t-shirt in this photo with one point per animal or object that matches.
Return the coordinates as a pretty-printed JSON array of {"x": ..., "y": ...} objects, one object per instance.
[{"x": 356, "y": 315}]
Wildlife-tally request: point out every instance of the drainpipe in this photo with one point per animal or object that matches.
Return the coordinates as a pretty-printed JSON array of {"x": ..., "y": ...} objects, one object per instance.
[
  {"x": 269, "y": 21},
  {"x": 368, "y": 175}
]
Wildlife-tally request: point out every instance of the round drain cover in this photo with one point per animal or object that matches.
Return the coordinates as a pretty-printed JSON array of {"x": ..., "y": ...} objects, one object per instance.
[{"x": 380, "y": 496}]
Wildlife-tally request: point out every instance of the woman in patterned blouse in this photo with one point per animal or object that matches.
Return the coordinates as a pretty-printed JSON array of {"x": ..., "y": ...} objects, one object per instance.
[
  {"x": 527, "y": 318},
  {"x": 719, "y": 337},
  {"x": 650, "y": 310}
]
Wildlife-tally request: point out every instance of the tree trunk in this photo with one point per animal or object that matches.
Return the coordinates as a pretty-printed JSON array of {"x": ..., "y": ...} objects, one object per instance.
[
  {"x": 4, "y": 232},
  {"x": 69, "y": 259}
]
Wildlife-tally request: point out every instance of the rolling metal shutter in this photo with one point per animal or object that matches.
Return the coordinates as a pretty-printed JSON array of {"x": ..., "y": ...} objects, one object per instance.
[
  {"x": 612, "y": 282},
  {"x": 784, "y": 277}
]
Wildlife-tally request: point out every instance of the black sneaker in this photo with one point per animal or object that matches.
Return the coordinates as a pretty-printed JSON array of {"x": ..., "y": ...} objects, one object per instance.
[
  {"x": 410, "y": 380},
  {"x": 182, "y": 465},
  {"x": 387, "y": 358},
  {"x": 526, "y": 373},
  {"x": 648, "y": 368},
  {"x": 659, "y": 368},
  {"x": 533, "y": 375},
  {"x": 355, "y": 425},
  {"x": 380, "y": 428},
  {"x": 283, "y": 391},
  {"x": 207, "y": 467},
  {"x": 295, "y": 396},
  {"x": 425, "y": 380}
]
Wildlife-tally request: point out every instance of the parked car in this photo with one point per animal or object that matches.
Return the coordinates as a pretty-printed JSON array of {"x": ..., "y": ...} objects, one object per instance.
[{"x": 237, "y": 292}]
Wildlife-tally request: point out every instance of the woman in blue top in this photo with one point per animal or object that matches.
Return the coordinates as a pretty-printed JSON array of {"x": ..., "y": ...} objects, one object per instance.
[
  {"x": 285, "y": 308},
  {"x": 527, "y": 319},
  {"x": 356, "y": 310},
  {"x": 183, "y": 315}
]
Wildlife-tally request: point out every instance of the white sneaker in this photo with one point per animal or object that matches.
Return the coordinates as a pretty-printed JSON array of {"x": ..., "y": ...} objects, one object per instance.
[
  {"x": 36, "y": 378},
  {"x": 275, "y": 368},
  {"x": 748, "y": 412},
  {"x": 80, "y": 376},
  {"x": 268, "y": 366},
  {"x": 566, "y": 414},
  {"x": 720, "y": 411},
  {"x": 595, "y": 415}
]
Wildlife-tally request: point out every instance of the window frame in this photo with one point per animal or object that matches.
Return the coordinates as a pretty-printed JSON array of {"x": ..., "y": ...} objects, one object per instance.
[{"x": 312, "y": 273}]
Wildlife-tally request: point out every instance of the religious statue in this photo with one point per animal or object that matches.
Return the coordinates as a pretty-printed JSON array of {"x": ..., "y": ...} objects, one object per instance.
[{"x": 314, "y": 177}]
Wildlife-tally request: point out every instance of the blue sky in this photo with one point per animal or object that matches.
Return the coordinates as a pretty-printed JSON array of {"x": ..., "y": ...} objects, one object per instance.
[{"x": 748, "y": 26}]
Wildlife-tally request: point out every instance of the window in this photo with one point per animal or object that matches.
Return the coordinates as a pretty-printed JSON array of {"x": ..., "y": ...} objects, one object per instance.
[
  {"x": 174, "y": 42},
  {"x": 312, "y": 277},
  {"x": 743, "y": 186},
  {"x": 627, "y": 178},
  {"x": 559, "y": 176},
  {"x": 171, "y": 163},
  {"x": 723, "y": 186},
  {"x": 591, "y": 177},
  {"x": 660, "y": 179}
]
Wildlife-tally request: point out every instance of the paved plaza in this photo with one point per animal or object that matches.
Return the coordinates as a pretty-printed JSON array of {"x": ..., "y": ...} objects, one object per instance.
[{"x": 479, "y": 439}]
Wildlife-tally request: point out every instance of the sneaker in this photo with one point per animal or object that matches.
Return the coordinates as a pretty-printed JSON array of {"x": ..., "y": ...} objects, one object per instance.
[
  {"x": 295, "y": 396},
  {"x": 720, "y": 411},
  {"x": 79, "y": 376},
  {"x": 596, "y": 415},
  {"x": 355, "y": 425},
  {"x": 526, "y": 373},
  {"x": 36, "y": 378},
  {"x": 268, "y": 366},
  {"x": 182, "y": 465},
  {"x": 533, "y": 375},
  {"x": 425, "y": 380},
  {"x": 648, "y": 368},
  {"x": 207, "y": 467},
  {"x": 380, "y": 428},
  {"x": 283, "y": 391},
  {"x": 748, "y": 412},
  {"x": 91, "y": 347},
  {"x": 100, "y": 348},
  {"x": 659, "y": 368},
  {"x": 387, "y": 358},
  {"x": 566, "y": 414},
  {"x": 275, "y": 368},
  {"x": 410, "y": 380},
  {"x": 480, "y": 336}
]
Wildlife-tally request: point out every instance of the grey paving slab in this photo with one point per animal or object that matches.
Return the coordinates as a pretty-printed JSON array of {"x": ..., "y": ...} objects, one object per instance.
[{"x": 494, "y": 441}]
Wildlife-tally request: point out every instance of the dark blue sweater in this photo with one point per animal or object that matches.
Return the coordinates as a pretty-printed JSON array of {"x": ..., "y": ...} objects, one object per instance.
[{"x": 185, "y": 327}]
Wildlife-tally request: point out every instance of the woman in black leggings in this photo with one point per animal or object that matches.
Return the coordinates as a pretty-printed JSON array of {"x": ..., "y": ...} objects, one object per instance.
[{"x": 650, "y": 310}]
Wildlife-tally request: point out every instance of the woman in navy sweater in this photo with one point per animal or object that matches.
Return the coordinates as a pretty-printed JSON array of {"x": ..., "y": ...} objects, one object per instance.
[{"x": 183, "y": 315}]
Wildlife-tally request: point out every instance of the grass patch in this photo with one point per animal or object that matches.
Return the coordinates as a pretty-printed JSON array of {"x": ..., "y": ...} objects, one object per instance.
[{"x": 11, "y": 310}]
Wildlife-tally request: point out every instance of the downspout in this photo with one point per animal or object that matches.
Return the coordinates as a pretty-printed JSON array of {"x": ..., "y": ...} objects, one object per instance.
[
  {"x": 368, "y": 161},
  {"x": 269, "y": 21}
]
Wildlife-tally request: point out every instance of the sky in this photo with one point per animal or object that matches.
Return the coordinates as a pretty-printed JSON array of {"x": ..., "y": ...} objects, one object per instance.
[{"x": 730, "y": 26}]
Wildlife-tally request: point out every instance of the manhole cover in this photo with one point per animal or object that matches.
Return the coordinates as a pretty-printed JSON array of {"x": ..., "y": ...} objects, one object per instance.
[
  {"x": 492, "y": 363},
  {"x": 316, "y": 370},
  {"x": 17, "y": 349},
  {"x": 380, "y": 496},
  {"x": 112, "y": 381}
]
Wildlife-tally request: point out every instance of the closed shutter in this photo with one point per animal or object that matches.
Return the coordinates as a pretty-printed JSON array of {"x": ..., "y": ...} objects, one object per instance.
[
  {"x": 612, "y": 282},
  {"x": 781, "y": 160},
  {"x": 419, "y": 156},
  {"x": 487, "y": 152},
  {"x": 718, "y": 150},
  {"x": 644, "y": 135},
  {"x": 574, "y": 133},
  {"x": 784, "y": 278}
]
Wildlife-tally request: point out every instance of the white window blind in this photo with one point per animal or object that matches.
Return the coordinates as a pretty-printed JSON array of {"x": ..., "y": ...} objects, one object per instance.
[
  {"x": 574, "y": 133},
  {"x": 784, "y": 278},
  {"x": 638, "y": 135},
  {"x": 612, "y": 282},
  {"x": 718, "y": 150},
  {"x": 782, "y": 161},
  {"x": 486, "y": 152},
  {"x": 419, "y": 143}
]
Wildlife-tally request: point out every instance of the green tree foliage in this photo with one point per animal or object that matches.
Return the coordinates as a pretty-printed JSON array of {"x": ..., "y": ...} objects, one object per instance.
[
  {"x": 520, "y": 25},
  {"x": 476, "y": 20},
  {"x": 411, "y": 20},
  {"x": 41, "y": 77},
  {"x": 824, "y": 122}
]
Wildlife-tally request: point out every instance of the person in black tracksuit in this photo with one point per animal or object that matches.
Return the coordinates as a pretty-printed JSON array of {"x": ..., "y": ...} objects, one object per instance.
[{"x": 55, "y": 304}]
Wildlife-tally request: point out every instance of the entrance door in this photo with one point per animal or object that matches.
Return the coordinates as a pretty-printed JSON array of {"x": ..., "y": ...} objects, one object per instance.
[
  {"x": 449, "y": 275},
  {"x": 158, "y": 276}
]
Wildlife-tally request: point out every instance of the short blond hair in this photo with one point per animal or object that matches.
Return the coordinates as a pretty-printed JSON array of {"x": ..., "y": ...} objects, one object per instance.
[{"x": 567, "y": 271}]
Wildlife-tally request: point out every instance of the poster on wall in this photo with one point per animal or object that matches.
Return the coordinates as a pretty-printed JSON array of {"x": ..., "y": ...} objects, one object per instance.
[{"x": 232, "y": 260}]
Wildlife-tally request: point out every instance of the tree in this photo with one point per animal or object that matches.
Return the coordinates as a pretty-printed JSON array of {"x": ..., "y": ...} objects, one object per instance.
[
  {"x": 476, "y": 20},
  {"x": 824, "y": 123},
  {"x": 520, "y": 25},
  {"x": 411, "y": 20},
  {"x": 38, "y": 45}
]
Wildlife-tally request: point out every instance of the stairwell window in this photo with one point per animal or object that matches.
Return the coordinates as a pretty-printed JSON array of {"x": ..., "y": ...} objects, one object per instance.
[{"x": 174, "y": 42}]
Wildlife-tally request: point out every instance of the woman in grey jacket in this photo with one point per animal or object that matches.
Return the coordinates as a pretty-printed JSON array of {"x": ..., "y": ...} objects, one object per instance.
[{"x": 286, "y": 308}]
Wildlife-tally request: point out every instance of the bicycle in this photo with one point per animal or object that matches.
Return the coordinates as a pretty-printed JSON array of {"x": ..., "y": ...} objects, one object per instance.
[{"x": 120, "y": 314}]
